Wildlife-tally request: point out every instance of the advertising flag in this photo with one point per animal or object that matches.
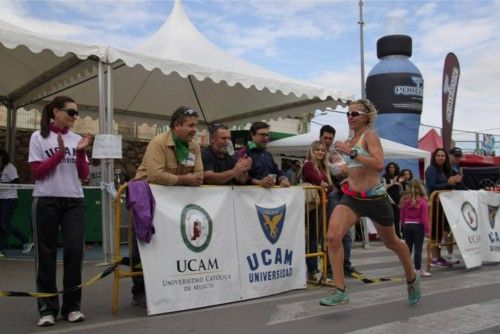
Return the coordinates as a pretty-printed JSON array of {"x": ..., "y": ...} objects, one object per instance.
[{"x": 451, "y": 74}]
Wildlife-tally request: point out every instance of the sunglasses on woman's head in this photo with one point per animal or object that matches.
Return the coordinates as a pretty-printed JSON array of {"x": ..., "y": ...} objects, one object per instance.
[
  {"x": 71, "y": 112},
  {"x": 355, "y": 113}
]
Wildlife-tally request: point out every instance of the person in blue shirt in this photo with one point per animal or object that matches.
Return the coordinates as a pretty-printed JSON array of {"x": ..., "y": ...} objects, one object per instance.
[
  {"x": 439, "y": 176},
  {"x": 264, "y": 171}
]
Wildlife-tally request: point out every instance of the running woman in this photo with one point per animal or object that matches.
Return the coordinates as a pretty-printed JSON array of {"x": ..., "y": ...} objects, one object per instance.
[
  {"x": 58, "y": 162},
  {"x": 364, "y": 196}
]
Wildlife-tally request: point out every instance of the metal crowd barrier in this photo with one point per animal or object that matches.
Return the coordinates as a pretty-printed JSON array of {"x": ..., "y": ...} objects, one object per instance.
[
  {"x": 439, "y": 227},
  {"x": 315, "y": 208},
  {"x": 316, "y": 204}
]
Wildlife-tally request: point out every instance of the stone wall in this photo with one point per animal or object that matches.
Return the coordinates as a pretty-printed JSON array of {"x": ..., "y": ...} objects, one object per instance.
[{"x": 133, "y": 151}]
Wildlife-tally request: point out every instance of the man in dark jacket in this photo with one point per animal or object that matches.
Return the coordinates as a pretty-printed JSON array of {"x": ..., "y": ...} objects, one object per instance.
[{"x": 264, "y": 171}]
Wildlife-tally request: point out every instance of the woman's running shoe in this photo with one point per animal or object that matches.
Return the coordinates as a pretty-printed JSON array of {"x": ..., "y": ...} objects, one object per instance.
[
  {"x": 424, "y": 273},
  {"x": 440, "y": 262}
]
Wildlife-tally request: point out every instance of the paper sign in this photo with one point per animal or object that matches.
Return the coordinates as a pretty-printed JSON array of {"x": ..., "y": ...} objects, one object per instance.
[{"x": 107, "y": 147}]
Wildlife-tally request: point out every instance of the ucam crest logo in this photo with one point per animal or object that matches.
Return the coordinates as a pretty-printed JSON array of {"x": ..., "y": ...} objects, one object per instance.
[
  {"x": 196, "y": 227},
  {"x": 492, "y": 214},
  {"x": 470, "y": 216},
  {"x": 271, "y": 220}
]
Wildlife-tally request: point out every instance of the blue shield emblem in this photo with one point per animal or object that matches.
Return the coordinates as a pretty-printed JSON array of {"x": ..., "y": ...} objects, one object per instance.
[
  {"x": 492, "y": 212},
  {"x": 271, "y": 221}
]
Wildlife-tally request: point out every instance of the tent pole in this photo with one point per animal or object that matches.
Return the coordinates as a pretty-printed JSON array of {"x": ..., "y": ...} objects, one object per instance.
[
  {"x": 197, "y": 100},
  {"x": 109, "y": 109},
  {"x": 105, "y": 167}
]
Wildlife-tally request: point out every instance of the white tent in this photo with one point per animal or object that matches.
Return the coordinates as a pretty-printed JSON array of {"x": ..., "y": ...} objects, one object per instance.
[
  {"x": 176, "y": 66},
  {"x": 299, "y": 145}
]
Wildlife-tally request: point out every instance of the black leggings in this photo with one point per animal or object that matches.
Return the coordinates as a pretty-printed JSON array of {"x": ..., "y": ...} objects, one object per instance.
[
  {"x": 414, "y": 235},
  {"x": 48, "y": 214}
]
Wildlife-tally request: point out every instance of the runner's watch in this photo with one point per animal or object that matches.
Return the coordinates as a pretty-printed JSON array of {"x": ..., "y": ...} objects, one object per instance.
[{"x": 353, "y": 154}]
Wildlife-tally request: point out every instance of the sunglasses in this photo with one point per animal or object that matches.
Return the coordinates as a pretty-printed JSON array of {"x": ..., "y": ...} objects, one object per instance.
[
  {"x": 355, "y": 113},
  {"x": 189, "y": 112},
  {"x": 70, "y": 112}
]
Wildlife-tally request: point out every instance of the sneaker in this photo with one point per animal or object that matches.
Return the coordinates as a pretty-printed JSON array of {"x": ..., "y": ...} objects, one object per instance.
[
  {"x": 46, "y": 320},
  {"x": 453, "y": 259},
  {"x": 313, "y": 276},
  {"x": 424, "y": 273},
  {"x": 414, "y": 292},
  {"x": 440, "y": 262},
  {"x": 2, "y": 254},
  {"x": 27, "y": 246},
  {"x": 139, "y": 299},
  {"x": 335, "y": 297},
  {"x": 75, "y": 316}
]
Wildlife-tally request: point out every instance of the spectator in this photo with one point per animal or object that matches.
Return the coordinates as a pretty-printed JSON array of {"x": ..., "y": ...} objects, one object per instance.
[
  {"x": 338, "y": 173},
  {"x": 438, "y": 176},
  {"x": 171, "y": 158},
  {"x": 415, "y": 221},
  {"x": 264, "y": 171},
  {"x": 8, "y": 203},
  {"x": 220, "y": 167},
  {"x": 292, "y": 172},
  {"x": 405, "y": 176},
  {"x": 58, "y": 161},
  {"x": 315, "y": 171},
  {"x": 394, "y": 189},
  {"x": 455, "y": 155}
]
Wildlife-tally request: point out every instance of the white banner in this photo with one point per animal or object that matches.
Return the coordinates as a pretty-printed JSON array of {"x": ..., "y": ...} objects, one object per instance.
[
  {"x": 475, "y": 224},
  {"x": 271, "y": 239},
  {"x": 191, "y": 260},
  {"x": 489, "y": 220},
  {"x": 461, "y": 209}
]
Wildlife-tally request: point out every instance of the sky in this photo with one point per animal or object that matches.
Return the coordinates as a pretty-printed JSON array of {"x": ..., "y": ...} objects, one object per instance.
[{"x": 316, "y": 41}]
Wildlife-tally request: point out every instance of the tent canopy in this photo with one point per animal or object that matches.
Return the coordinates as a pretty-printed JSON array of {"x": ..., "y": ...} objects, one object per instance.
[
  {"x": 299, "y": 145},
  {"x": 176, "y": 66},
  {"x": 430, "y": 141}
]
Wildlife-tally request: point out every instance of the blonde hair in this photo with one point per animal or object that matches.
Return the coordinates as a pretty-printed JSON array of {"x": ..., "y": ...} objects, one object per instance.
[
  {"x": 415, "y": 190},
  {"x": 323, "y": 163},
  {"x": 369, "y": 107}
]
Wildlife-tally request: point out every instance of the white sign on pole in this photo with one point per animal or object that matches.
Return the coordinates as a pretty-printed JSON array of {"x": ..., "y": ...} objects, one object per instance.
[
  {"x": 191, "y": 260},
  {"x": 271, "y": 242},
  {"x": 489, "y": 219},
  {"x": 107, "y": 147},
  {"x": 461, "y": 209}
]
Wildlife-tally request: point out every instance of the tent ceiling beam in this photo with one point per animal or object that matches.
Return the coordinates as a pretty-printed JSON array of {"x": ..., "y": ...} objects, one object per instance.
[
  {"x": 272, "y": 109},
  {"x": 47, "y": 76}
]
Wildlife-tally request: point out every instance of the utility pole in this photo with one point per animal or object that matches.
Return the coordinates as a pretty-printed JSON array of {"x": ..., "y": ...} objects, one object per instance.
[{"x": 362, "y": 48}]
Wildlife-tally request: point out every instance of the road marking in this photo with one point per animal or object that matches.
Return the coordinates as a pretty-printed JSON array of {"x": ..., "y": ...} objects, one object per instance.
[
  {"x": 460, "y": 320},
  {"x": 311, "y": 308}
]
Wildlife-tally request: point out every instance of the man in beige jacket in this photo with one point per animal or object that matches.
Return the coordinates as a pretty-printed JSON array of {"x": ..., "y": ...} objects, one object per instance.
[
  {"x": 171, "y": 158},
  {"x": 174, "y": 158}
]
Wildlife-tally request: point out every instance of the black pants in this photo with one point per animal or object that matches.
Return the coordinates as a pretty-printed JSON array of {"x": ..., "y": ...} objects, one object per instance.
[
  {"x": 7, "y": 207},
  {"x": 138, "y": 281},
  {"x": 48, "y": 214},
  {"x": 414, "y": 235}
]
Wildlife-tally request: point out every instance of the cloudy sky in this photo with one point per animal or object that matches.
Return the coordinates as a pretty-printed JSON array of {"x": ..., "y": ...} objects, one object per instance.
[{"x": 316, "y": 41}]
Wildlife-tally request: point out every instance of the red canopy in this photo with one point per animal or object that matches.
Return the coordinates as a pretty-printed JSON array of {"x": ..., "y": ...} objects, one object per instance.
[
  {"x": 476, "y": 160},
  {"x": 430, "y": 141}
]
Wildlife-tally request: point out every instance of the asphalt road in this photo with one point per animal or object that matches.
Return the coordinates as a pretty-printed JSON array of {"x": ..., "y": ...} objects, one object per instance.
[{"x": 455, "y": 300}]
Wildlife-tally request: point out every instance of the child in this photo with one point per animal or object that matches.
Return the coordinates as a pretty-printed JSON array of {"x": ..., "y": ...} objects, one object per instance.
[{"x": 414, "y": 215}]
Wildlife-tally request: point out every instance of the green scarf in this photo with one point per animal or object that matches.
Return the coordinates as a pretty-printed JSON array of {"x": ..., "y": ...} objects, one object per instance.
[
  {"x": 251, "y": 145},
  {"x": 181, "y": 149}
]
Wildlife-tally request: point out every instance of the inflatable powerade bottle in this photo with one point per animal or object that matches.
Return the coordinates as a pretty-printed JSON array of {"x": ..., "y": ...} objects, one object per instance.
[{"x": 396, "y": 88}]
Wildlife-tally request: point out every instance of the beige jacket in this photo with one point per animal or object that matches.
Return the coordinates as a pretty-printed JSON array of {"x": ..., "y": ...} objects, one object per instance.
[{"x": 159, "y": 164}]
